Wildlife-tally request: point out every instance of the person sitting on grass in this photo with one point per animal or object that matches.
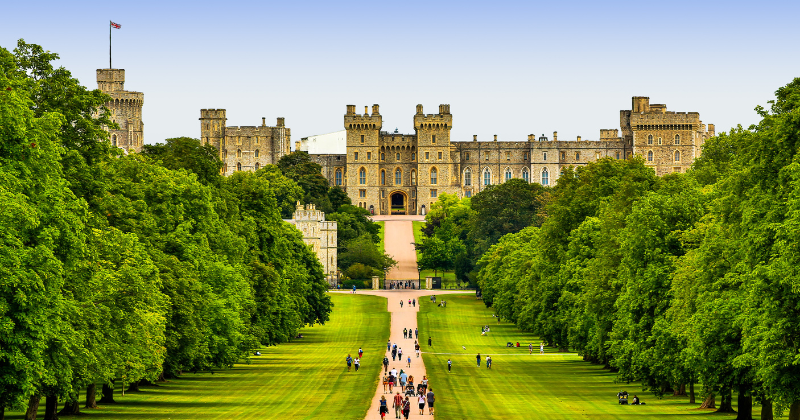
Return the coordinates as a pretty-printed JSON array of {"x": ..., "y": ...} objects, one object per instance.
[{"x": 637, "y": 401}]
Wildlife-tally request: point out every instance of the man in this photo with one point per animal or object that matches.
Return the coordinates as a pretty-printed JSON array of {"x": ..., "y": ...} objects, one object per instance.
[
  {"x": 394, "y": 372},
  {"x": 430, "y": 401},
  {"x": 403, "y": 378},
  {"x": 401, "y": 303},
  {"x": 530, "y": 348},
  {"x": 400, "y": 354},
  {"x": 388, "y": 345},
  {"x": 416, "y": 333},
  {"x": 385, "y": 364},
  {"x": 429, "y": 342},
  {"x": 416, "y": 348},
  {"x": 349, "y": 361},
  {"x": 478, "y": 359},
  {"x": 394, "y": 353},
  {"x": 449, "y": 365},
  {"x": 414, "y": 301},
  {"x": 488, "y": 362},
  {"x": 398, "y": 405},
  {"x": 405, "y": 332}
]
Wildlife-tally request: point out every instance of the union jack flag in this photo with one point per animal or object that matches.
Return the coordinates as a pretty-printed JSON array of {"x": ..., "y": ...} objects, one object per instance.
[{"x": 115, "y": 25}]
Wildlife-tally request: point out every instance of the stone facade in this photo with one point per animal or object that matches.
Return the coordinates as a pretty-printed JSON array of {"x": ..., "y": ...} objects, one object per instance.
[
  {"x": 246, "y": 148},
  {"x": 320, "y": 235},
  {"x": 126, "y": 110},
  {"x": 393, "y": 173}
]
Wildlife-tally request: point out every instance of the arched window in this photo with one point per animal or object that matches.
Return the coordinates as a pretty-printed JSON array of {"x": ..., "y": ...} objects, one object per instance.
[
  {"x": 677, "y": 139},
  {"x": 650, "y": 156},
  {"x": 508, "y": 174},
  {"x": 577, "y": 155},
  {"x": 467, "y": 177},
  {"x": 677, "y": 156},
  {"x": 434, "y": 176},
  {"x": 398, "y": 177},
  {"x": 258, "y": 166},
  {"x": 413, "y": 157},
  {"x": 383, "y": 177},
  {"x": 659, "y": 141},
  {"x": 545, "y": 177},
  {"x": 525, "y": 176},
  {"x": 239, "y": 153},
  {"x": 383, "y": 156},
  {"x": 338, "y": 179},
  {"x": 413, "y": 177},
  {"x": 114, "y": 140},
  {"x": 397, "y": 156},
  {"x": 239, "y": 166},
  {"x": 362, "y": 176},
  {"x": 256, "y": 152},
  {"x": 487, "y": 177},
  {"x": 650, "y": 139}
]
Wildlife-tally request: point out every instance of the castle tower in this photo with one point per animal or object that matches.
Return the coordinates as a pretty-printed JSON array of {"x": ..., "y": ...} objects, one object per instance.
[
  {"x": 363, "y": 138},
  {"x": 126, "y": 110},
  {"x": 433, "y": 148}
]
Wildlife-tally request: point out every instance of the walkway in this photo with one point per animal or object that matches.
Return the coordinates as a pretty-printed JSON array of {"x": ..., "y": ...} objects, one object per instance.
[{"x": 399, "y": 244}]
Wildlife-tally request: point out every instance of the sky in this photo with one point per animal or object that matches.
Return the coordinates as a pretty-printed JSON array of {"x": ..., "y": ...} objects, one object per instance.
[{"x": 506, "y": 68}]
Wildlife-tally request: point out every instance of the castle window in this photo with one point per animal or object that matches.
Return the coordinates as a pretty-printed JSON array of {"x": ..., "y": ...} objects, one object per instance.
[
  {"x": 433, "y": 138},
  {"x": 413, "y": 157},
  {"x": 676, "y": 169},
  {"x": 508, "y": 155},
  {"x": 434, "y": 176},
  {"x": 238, "y": 166},
  {"x": 545, "y": 177},
  {"x": 467, "y": 177},
  {"x": 383, "y": 195},
  {"x": 525, "y": 156},
  {"x": 338, "y": 177},
  {"x": 258, "y": 166},
  {"x": 677, "y": 156},
  {"x": 650, "y": 139},
  {"x": 239, "y": 153},
  {"x": 114, "y": 140},
  {"x": 383, "y": 177},
  {"x": 466, "y": 156},
  {"x": 225, "y": 141},
  {"x": 434, "y": 193},
  {"x": 487, "y": 177},
  {"x": 362, "y": 176},
  {"x": 617, "y": 155},
  {"x": 355, "y": 155},
  {"x": 256, "y": 139},
  {"x": 238, "y": 139},
  {"x": 525, "y": 175},
  {"x": 650, "y": 156},
  {"x": 427, "y": 155},
  {"x": 544, "y": 155},
  {"x": 398, "y": 177},
  {"x": 413, "y": 193},
  {"x": 225, "y": 155},
  {"x": 440, "y": 155},
  {"x": 563, "y": 156},
  {"x": 256, "y": 152},
  {"x": 413, "y": 177},
  {"x": 397, "y": 157},
  {"x": 468, "y": 193},
  {"x": 362, "y": 138},
  {"x": 383, "y": 156},
  {"x": 659, "y": 141},
  {"x": 508, "y": 174},
  {"x": 577, "y": 155},
  {"x": 677, "y": 139},
  {"x": 362, "y": 193},
  {"x": 369, "y": 155},
  {"x": 486, "y": 154}
]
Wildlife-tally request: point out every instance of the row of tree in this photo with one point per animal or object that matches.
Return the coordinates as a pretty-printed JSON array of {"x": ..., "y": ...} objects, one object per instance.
[
  {"x": 121, "y": 268},
  {"x": 671, "y": 281}
]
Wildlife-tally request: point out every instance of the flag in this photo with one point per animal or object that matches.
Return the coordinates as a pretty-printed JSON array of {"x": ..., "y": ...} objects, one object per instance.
[{"x": 115, "y": 25}]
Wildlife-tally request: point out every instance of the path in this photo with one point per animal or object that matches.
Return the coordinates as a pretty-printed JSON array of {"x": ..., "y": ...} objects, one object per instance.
[{"x": 398, "y": 242}]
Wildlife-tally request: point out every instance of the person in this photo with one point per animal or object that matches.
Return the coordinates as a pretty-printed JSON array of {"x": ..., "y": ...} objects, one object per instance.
[
  {"x": 400, "y": 354},
  {"x": 388, "y": 345},
  {"x": 478, "y": 359},
  {"x": 409, "y": 333},
  {"x": 401, "y": 303},
  {"x": 541, "y": 347},
  {"x": 349, "y": 362},
  {"x": 360, "y": 353},
  {"x": 383, "y": 409},
  {"x": 445, "y": 303},
  {"x": 357, "y": 363},
  {"x": 391, "y": 383},
  {"x": 530, "y": 348},
  {"x": 421, "y": 401},
  {"x": 431, "y": 400},
  {"x": 385, "y": 364},
  {"x": 398, "y": 405},
  {"x": 449, "y": 365},
  {"x": 385, "y": 382},
  {"x": 405, "y": 332},
  {"x": 409, "y": 301},
  {"x": 406, "y": 408},
  {"x": 429, "y": 342},
  {"x": 394, "y": 353},
  {"x": 416, "y": 348},
  {"x": 403, "y": 379},
  {"x": 257, "y": 353},
  {"x": 394, "y": 372},
  {"x": 416, "y": 333},
  {"x": 636, "y": 400},
  {"x": 488, "y": 362},
  {"x": 414, "y": 301},
  {"x": 409, "y": 361},
  {"x": 354, "y": 288}
]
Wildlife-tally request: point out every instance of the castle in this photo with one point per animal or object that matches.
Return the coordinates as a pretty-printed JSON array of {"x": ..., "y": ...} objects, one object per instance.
[
  {"x": 126, "y": 110},
  {"x": 320, "y": 234},
  {"x": 393, "y": 173}
]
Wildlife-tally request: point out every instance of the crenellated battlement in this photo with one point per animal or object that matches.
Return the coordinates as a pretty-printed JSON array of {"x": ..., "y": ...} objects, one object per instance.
[{"x": 365, "y": 121}]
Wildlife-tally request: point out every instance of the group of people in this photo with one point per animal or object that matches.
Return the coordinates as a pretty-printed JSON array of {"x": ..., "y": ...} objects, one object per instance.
[
  {"x": 405, "y": 284},
  {"x": 541, "y": 348},
  {"x": 402, "y": 405},
  {"x": 408, "y": 333},
  {"x": 478, "y": 359},
  {"x": 410, "y": 302},
  {"x": 354, "y": 361}
]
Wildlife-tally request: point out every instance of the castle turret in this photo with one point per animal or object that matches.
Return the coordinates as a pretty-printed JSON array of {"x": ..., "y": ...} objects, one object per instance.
[{"x": 126, "y": 110}]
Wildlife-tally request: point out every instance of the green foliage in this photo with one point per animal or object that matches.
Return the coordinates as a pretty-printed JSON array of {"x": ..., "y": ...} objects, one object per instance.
[
  {"x": 298, "y": 167},
  {"x": 187, "y": 153},
  {"x": 362, "y": 250}
]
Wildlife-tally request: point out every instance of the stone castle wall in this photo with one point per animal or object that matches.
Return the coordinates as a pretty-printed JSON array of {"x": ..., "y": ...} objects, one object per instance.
[{"x": 126, "y": 110}]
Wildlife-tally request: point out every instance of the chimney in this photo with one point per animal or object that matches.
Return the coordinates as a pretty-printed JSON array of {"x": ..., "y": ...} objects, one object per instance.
[
  {"x": 375, "y": 109},
  {"x": 263, "y": 121},
  {"x": 419, "y": 109},
  {"x": 366, "y": 110},
  {"x": 579, "y": 138},
  {"x": 280, "y": 121},
  {"x": 555, "y": 135},
  {"x": 495, "y": 137},
  {"x": 351, "y": 109}
]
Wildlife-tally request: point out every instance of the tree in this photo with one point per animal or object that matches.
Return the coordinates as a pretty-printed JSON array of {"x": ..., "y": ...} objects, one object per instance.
[
  {"x": 298, "y": 167},
  {"x": 362, "y": 250},
  {"x": 188, "y": 153}
]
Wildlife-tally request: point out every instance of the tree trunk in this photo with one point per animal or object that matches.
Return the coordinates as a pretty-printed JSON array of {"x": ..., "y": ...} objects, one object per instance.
[
  {"x": 108, "y": 395},
  {"x": 51, "y": 407},
  {"x": 33, "y": 407},
  {"x": 91, "y": 396},
  {"x": 2, "y": 413},
  {"x": 726, "y": 405},
  {"x": 134, "y": 387},
  {"x": 745, "y": 406},
  {"x": 766, "y": 410},
  {"x": 680, "y": 391},
  {"x": 794, "y": 410},
  {"x": 691, "y": 393},
  {"x": 709, "y": 402},
  {"x": 71, "y": 408}
]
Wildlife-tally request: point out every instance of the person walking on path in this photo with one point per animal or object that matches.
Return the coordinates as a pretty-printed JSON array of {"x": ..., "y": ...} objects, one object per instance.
[
  {"x": 398, "y": 405},
  {"x": 421, "y": 401},
  {"x": 357, "y": 363},
  {"x": 383, "y": 409},
  {"x": 360, "y": 353},
  {"x": 431, "y": 400},
  {"x": 388, "y": 345},
  {"x": 405, "y": 332},
  {"x": 385, "y": 382},
  {"x": 409, "y": 334},
  {"x": 391, "y": 382},
  {"x": 478, "y": 359},
  {"x": 416, "y": 333},
  {"x": 541, "y": 348},
  {"x": 409, "y": 361},
  {"x": 416, "y": 348},
  {"x": 449, "y": 365},
  {"x": 401, "y": 303},
  {"x": 400, "y": 354},
  {"x": 349, "y": 362},
  {"x": 414, "y": 301},
  {"x": 394, "y": 354},
  {"x": 403, "y": 379},
  {"x": 385, "y": 364},
  {"x": 530, "y": 348},
  {"x": 406, "y": 408},
  {"x": 354, "y": 288}
]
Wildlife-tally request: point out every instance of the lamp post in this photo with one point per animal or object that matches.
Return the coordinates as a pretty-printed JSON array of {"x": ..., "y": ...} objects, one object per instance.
[{"x": 419, "y": 277}]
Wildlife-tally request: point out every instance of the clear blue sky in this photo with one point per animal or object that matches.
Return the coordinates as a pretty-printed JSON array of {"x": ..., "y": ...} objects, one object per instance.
[{"x": 506, "y": 68}]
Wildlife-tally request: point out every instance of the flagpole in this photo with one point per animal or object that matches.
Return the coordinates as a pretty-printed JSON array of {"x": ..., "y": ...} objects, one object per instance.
[{"x": 109, "y": 44}]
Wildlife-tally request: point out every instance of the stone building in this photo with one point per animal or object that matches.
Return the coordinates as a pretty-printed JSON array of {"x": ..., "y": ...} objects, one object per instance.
[
  {"x": 394, "y": 173},
  {"x": 126, "y": 109},
  {"x": 320, "y": 234},
  {"x": 245, "y": 148}
]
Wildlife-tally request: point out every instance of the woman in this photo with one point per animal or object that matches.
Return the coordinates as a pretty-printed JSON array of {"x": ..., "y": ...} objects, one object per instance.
[
  {"x": 421, "y": 400},
  {"x": 406, "y": 408},
  {"x": 385, "y": 383},
  {"x": 384, "y": 408}
]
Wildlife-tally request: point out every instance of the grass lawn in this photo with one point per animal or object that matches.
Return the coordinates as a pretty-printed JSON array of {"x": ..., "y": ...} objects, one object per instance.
[
  {"x": 448, "y": 278},
  {"x": 519, "y": 385},
  {"x": 305, "y": 379},
  {"x": 381, "y": 235}
]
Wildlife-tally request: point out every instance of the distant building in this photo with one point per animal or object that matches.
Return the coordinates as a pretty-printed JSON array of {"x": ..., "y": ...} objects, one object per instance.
[
  {"x": 320, "y": 235},
  {"x": 126, "y": 110}
]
